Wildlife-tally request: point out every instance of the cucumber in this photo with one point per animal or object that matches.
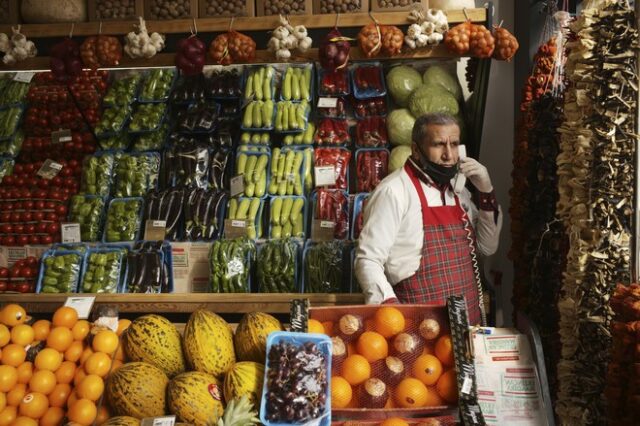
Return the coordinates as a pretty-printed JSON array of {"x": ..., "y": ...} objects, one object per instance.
[
  {"x": 257, "y": 114},
  {"x": 233, "y": 208},
  {"x": 261, "y": 165},
  {"x": 257, "y": 84},
  {"x": 243, "y": 209},
  {"x": 296, "y": 210},
  {"x": 285, "y": 114},
  {"x": 287, "y": 228},
  {"x": 266, "y": 84},
  {"x": 251, "y": 164},
  {"x": 248, "y": 88},
  {"x": 307, "y": 139},
  {"x": 275, "y": 157},
  {"x": 286, "y": 86},
  {"x": 253, "y": 210},
  {"x": 298, "y": 227},
  {"x": 293, "y": 121},
  {"x": 246, "y": 137},
  {"x": 276, "y": 231},
  {"x": 265, "y": 138},
  {"x": 267, "y": 113},
  {"x": 279, "y": 118},
  {"x": 295, "y": 85},
  {"x": 287, "y": 205},
  {"x": 288, "y": 140},
  {"x": 247, "y": 120},
  {"x": 305, "y": 86},
  {"x": 276, "y": 208},
  {"x": 241, "y": 164}
]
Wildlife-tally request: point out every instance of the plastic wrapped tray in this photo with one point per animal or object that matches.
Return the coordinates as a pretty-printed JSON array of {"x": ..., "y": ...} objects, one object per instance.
[
  {"x": 114, "y": 274},
  {"x": 76, "y": 270},
  {"x": 367, "y": 79}
]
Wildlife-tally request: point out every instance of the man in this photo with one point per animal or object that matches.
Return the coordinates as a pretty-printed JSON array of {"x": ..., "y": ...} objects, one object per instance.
[{"x": 419, "y": 237}]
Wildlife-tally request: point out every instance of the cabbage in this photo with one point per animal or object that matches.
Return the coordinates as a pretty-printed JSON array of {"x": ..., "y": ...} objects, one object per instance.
[
  {"x": 437, "y": 75},
  {"x": 430, "y": 99},
  {"x": 399, "y": 126},
  {"x": 399, "y": 155},
  {"x": 401, "y": 81}
]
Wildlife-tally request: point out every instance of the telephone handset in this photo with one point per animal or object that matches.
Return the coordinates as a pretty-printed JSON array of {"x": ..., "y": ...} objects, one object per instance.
[{"x": 461, "y": 180}]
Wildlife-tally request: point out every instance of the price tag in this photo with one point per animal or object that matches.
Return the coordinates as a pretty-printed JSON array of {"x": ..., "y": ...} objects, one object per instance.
[
  {"x": 234, "y": 267},
  {"x": 325, "y": 175},
  {"x": 49, "y": 169},
  {"x": 155, "y": 230},
  {"x": 24, "y": 76},
  {"x": 158, "y": 421},
  {"x": 327, "y": 102},
  {"x": 235, "y": 228},
  {"x": 237, "y": 185},
  {"x": 82, "y": 304},
  {"x": 61, "y": 136},
  {"x": 467, "y": 383},
  {"x": 70, "y": 233},
  {"x": 322, "y": 230}
]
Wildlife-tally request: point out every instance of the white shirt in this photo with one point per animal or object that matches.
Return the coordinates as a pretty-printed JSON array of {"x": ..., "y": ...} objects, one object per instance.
[{"x": 390, "y": 244}]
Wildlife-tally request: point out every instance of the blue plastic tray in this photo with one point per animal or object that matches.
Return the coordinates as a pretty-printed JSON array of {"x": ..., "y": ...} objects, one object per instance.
[
  {"x": 259, "y": 129},
  {"x": 305, "y": 213},
  {"x": 101, "y": 250},
  {"x": 54, "y": 253},
  {"x": 357, "y": 207},
  {"x": 367, "y": 93}
]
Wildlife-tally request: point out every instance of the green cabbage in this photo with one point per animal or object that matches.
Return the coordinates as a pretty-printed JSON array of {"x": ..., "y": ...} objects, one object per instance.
[
  {"x": 430, "y": 99},
  {"x": 437, "y": 75},
  {"x": 399, "y": 155},
  {"x": 399, "y": 126},
  {"x": 401, "y": 81}
]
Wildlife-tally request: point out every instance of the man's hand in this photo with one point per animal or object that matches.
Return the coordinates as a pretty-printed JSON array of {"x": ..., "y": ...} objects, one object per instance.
[{"x": 476, "y": 173}]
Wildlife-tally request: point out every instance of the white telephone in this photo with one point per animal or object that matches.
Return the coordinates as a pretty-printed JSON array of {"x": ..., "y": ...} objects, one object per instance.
[{"x": 461, "y": 180}]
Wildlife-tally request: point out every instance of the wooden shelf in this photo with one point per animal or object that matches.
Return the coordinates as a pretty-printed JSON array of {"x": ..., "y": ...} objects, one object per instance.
[
  {"x": 185, "y": 303},
  {"x": 240, "y": 24}
]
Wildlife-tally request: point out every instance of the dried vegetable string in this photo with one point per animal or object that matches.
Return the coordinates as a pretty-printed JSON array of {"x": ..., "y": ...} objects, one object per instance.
[{"x": 595, "y": 170}]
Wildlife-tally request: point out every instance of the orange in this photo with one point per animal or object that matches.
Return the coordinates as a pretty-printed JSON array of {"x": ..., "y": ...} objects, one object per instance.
[
  {"x": 411, "y": 393},
  {"x": 13, "y": 355},
  {"x": 53, "y": 417},
  {"x": 8, "y": 415},
  {"x": 83, "y": 412},
  {"x": 389, "y": 321},
  {"x": 427, "y": 369},
  {"x": 58, "y": 398},
  {"x": 65, "y": 316},
  {"x": 102, "y": 416},
  {"x": 341, "y": 392},
  {"x": 91, "y": 387},
  {"x": 105, "y": 341},
  {"x": 3, "y": 400},
  {"x": 22, "y": 334},
  {"x": 79, "y": 376},
  {"x": 73, "y": 398},
  {"x": 43, "y": 381},
  {"x": 81, "y": 329},
  {"x": 66, "y": 372},
  {"x": 447, "y": 386},
  {"x": 119, "y": 355},
  {"x": 356, "y": 369},
  {"x": 394, "y": 421},
  {"x": 433, "y": 399},
  {"x": 60, "y": 338},
  {"x": 15, "y": 395},
  {"x": 48, "y": 359},
  {"x": 41, "y": 329},
  {"x": 74, "y": 352},
  {"x": 25, "y": 421},
  {"x": 98, "y": 363},
  {"x": 315, "y": 326},
  {"x": 444, "y": 350},
  {"x": 25, "y": 371},
  {"x": 12, "y": 315},
  {"x": 373, "y": 346},
  {"x": 86, "y": 353},
  {"x": 5, "y": 335},
  {"x": 123, "y": 324},
  {"x": 34, "y": 405},
  {"x": 8, "y": 377}
]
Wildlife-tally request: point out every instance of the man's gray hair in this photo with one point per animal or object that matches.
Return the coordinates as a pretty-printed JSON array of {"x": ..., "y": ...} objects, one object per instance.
[{"x": 419, "y": 131}]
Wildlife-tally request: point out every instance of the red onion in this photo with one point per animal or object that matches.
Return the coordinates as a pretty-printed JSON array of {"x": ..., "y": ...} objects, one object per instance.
[{"x": 334, "y": 50}]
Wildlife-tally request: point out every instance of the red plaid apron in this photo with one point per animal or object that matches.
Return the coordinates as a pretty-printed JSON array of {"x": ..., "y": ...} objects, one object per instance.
[{"x": 446, "y": 267}]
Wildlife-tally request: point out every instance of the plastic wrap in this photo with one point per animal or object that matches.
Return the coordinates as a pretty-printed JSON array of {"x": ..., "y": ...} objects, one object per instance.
[
  {"x": 11, "y": 147},
  {"x": 166, "y": 205},
  {"x": 60, "y": 271},
  {"x": 188, "y": 89},
  {"x": 149, "y": 268},
  {"x": 147, "y": 118},
  {"x": 201, "y": 117},
  {"x": 340, "y": 110},
  {"x": 9, "y": 120},
  {"x": 114, "y": 142},
  {"x": 6, "y": 166},
  {"x": 292, "y": 117},
  {"x": 152, "y": 141},
  {"x": 333, "y": 132},
  {"x": 12, "y": 92},
  {"x": 101, "y": 273},
  {"x": 297, "y": 83},
  {"x": 186, "y": 165},
  {"x": 88, "y": 211},
  {"x": 96, "y": 174},
  {"x": 288, "y": 217},
  {"x": 371, "y": 132},
  {"x": 339, "y": 158},
  {"x": 135, "y": 174},
  {"x": 368, "y": 80},
  {"x": 123, "y": 91},
  {"x": 204, "y": 212},
  {"x": 219, "y": 165},
  {"x": 230, "y": 265},
  {"x": 112, "y": 121},
  {"x": 259, "y": 116},
  {"x": 253, "y": 166},
  {"x": 225, "y": 83},
  {"x": 123, "y": 220},
  {"x": 333, "y": 83},
  {"x": 287, "y": 172},
  {"x": 372, "y": 107},
  {"x": 156, "y": 85},
  {"x": 326, "y": 268},
  {"x": 372, "y": 166},
  {"x": 333, "y": 205},
  {"x": 250, "y": 211},
  {"x": 277, "y": 266}
]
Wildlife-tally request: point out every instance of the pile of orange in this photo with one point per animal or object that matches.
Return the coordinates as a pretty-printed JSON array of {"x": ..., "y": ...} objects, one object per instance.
[
  {"x": 49, "y": 370},
  {"x": 429, "y": 379}
]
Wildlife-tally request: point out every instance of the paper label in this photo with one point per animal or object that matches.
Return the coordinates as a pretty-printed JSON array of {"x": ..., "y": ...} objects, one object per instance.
[
  {"x": 234, "y": 267},
  {"x": 322, "y": 230},
  {"x": 61, "y": 136},
  {"x": 155, "y": 230},
  {"x": 49, "y": 169},
  {"x": 24, "y": 76},
  {"x": 327, "y": 102},
  {"x": 237, "y": 185},
  {"x": 235, "y": 228},
  {"x": 82, "y": 304},
  {"x": 70, "y": 233},
  {"x": 325, "y": 175},
  {"x": 158, "y": 421},
  {"x": 467, "y": 383}
]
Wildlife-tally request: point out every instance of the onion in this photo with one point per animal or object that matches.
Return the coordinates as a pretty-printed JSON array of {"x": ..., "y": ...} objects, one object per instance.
[
  {"x": 333, "y": 54},
  {"x": 57, "y": 66}
]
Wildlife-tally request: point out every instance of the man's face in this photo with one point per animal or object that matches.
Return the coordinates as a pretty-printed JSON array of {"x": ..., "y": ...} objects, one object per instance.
[{"x": 440, "y": 144}]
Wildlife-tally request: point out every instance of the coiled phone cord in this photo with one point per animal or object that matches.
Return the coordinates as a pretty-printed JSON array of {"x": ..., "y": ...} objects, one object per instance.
[{"x": 476, "y": 269}]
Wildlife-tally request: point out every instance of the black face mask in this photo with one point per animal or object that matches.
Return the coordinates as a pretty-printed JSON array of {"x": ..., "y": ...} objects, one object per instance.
[{"x": 440, "y": 174}]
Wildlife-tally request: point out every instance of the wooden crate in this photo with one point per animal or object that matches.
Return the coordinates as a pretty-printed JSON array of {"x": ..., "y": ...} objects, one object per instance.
[
  {"x": 376, "y": 5},
  {"x": 249, "y": 9},
  {"x": 10, "y": 13},
  {"x": 318, "y": 6},
  {"x": 307, "y": 8},
  {"x": 92, "y": 11},
  {"x": 149, "y": 4}
]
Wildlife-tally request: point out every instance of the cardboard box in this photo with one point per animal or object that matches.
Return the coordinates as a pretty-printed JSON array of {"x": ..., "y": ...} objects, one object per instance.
[
  {"x": 149, "y": 14},
  {"x": 325, "y": 7},
  {"x": 305, "y": 7},
  {"x": 10, "y": 255},
  {"x": 10, "y": 14},
  {"x": 204, "y": 10},
  {"x": 191, "y": 267},
  {"x": 399, "y": 5},
  {"x": 92, "y": 11}
]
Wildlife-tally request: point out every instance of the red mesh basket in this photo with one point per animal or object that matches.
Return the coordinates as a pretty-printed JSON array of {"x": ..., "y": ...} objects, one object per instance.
[{"x": 410, "y": 378}]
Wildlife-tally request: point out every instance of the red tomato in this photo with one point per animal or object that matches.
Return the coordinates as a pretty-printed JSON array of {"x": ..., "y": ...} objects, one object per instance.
[
  {"x": 46, "y": 239},
  {"x": 34, "y": 239},
  {"x": 4, "y": 272},
  {"x": 41, "y": 227},
  {"x": 23, "y": 240},
  {"x": 53, "y": 228},
  {"x": 51, "y": 216}
]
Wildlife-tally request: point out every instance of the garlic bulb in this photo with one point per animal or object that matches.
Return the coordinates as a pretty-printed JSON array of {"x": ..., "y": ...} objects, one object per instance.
[
  {"x": 142, "y": 45},
  {"x": 286, "y": 38},
  {"x": 17, "y": 48},
  {"x": 428, "y": 28}
]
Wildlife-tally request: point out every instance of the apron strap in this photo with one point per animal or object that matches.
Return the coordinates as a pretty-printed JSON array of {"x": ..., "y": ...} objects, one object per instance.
[{"x": 416, "y": 182}]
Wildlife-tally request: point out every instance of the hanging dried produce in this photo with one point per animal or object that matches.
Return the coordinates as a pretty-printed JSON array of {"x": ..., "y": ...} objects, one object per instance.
[
  {"x": 506, "y": 44},
  {"x": 334, "y": 51},
  {"x": 392, "y": 38},
  {"x": 481, "y": 42},
  {"x": 428, "y": 27},
  {"x": 286, "y": 38},
  {"x": 65, "y": 59},
  {"x": 457, "y": 38},
  {"x": 596, "y": 170},
  {"x": 190, "y": 56},
  {"x": 17, "y": 48},
  {"x": 101, "y": 51},
  {"x": 140, "y": 44}
]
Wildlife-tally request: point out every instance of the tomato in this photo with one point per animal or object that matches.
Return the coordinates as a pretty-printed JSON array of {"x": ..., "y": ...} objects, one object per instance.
[
  {"x": 23, "y": 240},
  {"x": 16, "y": 217},
  {"x": 34, "y": 239},
  {"x": 9, "y": 240},
  {"x": 51, "y": 216},
  {"x": 61, "y": 210},
  {"x": 3, "y": 286},
  {"x": 57, "y": 181},
  {"x": 17, "y": 169},
  {"x": 18, "y": 228},
  {"x": 53, "y": 228},
  {"x": 4, "y": 272},
  {"x": 46, "y": 239},
  {"x": 8, "y": 180},
  {"x": 50, "y": 205},
  {"x": 41, "y": 227},
  {"x": 40, "y": 194},
  {"x": 5, "y": 216},
  {"x": 6, "y": 228},
  {"x": 38, "y": 216},
  {"x": 23, "y": 287}
]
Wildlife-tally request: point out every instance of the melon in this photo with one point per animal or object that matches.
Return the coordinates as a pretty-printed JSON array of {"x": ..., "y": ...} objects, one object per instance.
[
  {"x": 245, "y": 378},
  {"x": 47, "y": 11},
  {"x": 122, "y": 421},
  {"x": 208, "y": 344},
  {"x": 195, "y": 398},
  {"x": 155, "y": 340},
  {"x": 137, "y": 389},
  {"x": 251, "y": 336}
]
